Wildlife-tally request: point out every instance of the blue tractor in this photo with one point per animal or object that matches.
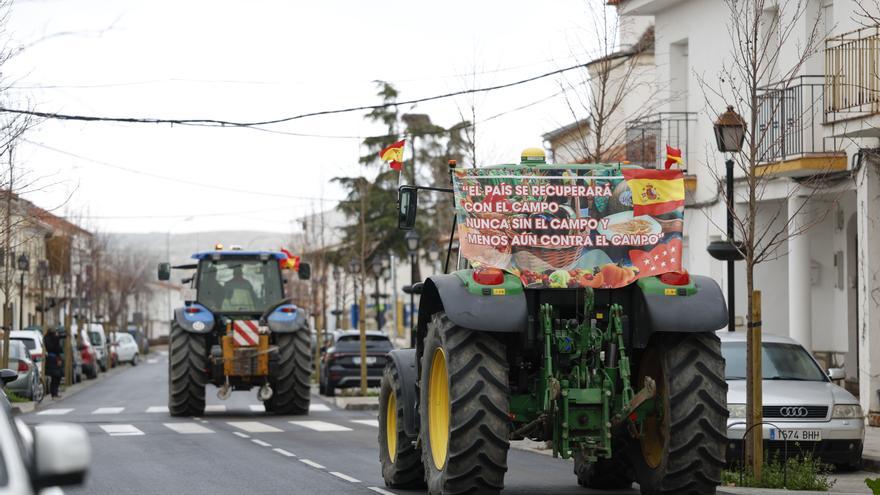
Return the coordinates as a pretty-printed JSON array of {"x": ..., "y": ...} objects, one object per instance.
[{"x": 238, "y": 332}]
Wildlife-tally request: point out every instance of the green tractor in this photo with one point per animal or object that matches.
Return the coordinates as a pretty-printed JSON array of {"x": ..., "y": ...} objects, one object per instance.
[{"x": 614, "y": 365}]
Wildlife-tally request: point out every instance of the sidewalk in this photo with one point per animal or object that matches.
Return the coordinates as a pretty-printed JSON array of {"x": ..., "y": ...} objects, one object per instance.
[{"x": 871, "y": 453}]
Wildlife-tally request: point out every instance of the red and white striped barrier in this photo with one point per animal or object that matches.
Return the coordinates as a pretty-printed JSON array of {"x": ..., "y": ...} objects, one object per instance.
[{"x": 245, "y": 332}]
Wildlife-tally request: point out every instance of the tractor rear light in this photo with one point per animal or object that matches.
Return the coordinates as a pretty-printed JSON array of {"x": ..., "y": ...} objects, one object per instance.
[
  {"x": 676, "y": 278},
  {"x": 192, "y": 310},
  {"x": 288, "y": 309},
  {"x": 489, "y": 276},
  {"x": 22, "y": 367}
]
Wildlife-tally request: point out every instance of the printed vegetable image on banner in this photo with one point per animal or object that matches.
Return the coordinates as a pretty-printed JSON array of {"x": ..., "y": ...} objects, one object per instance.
[{"x": 562, "y": 226}]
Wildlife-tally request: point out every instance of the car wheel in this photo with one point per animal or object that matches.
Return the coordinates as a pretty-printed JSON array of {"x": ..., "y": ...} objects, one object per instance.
[{"x": 134, "y": 360}]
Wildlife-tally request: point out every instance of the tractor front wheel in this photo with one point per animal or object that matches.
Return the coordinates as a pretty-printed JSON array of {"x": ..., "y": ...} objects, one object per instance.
[
  {"x": 187, "y": 365},
  {"x": 681, "y": 448},
  {"x": 464, "y": 406},
  {"x": 292, "y": 381}
]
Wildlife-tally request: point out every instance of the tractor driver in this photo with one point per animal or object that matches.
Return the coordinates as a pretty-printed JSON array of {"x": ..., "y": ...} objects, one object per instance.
[
  {"x": 239, "y": 291},
  {"x": 210, "y": 290}
]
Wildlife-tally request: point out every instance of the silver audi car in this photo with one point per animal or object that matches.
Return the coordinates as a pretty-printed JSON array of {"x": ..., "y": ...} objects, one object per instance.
[{"x": 801, "y": 402}]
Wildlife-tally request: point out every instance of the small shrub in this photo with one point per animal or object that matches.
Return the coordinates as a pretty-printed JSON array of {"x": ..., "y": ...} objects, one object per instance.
[
  {"x": 13, "y": 397},
  {"x": 799, "y": 473}
]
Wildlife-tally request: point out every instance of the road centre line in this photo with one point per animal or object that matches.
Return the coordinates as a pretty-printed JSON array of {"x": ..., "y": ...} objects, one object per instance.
[
  {"x": 345, "y": 477},
  {"x": 312, "y": 463},
  {"x": 261, "y": 443},
  {"x": 253, "y": 426},
  {"x": 284, "y": 452},
  {"x": 240, "y": 434},
  {"x": 157, "y": 409}
]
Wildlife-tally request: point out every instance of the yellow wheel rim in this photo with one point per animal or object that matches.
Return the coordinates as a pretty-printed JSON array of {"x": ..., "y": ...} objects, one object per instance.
[
  {"x": 653, "y": 435},
  {"x": 391, "y": 426},
  {"x": 438, "y": 408}
]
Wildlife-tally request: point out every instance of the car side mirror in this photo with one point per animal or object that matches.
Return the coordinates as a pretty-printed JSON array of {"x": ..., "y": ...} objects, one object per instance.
[
  {"x": 7, "y": 376},
  {"x": 62, "y": 455},
  {"x": 836, "y": 374},
  {"x": 305, "y": 271},
  {"x": 164, "y": 271},
  {"x": 407, "y": 207}
]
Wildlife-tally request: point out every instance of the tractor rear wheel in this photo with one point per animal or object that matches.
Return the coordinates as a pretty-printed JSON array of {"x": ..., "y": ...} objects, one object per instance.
[
  {"x": 187, "y": 365},
  {"x": 401, "y": 460},
  {"x": 292, "y": 384},
  {"x": 464, "y": 406},
  {"x": 606, "y": 474},
  {"x": 682, "y": 449}
]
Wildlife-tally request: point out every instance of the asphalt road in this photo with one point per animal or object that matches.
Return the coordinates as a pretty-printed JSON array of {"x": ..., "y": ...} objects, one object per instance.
[{"x": 137, "y": 448}]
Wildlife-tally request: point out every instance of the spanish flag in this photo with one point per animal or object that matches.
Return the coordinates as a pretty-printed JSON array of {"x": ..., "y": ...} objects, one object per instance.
[
  {"x": 673, "y": 155},
  {"x": 291, "y": 263},
  {"x": 394, "y": 154},
  {"x": 655, "y": 192}
]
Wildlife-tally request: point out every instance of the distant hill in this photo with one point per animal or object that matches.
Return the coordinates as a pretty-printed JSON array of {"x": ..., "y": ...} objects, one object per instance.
[{"x": 181, "y": 245}]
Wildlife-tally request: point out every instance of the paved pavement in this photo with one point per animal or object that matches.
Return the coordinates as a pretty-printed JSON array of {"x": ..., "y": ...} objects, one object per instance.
[{"x": 237, "y": 448}]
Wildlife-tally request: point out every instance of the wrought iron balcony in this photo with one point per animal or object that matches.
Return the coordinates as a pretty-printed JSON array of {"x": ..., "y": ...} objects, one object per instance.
[
  {"x": 646, "y": 138},
  {"x": 852, "y": 73}
]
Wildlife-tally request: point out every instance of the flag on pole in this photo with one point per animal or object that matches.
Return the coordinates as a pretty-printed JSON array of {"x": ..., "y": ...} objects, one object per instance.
[
  {"x": 673, "y": 155},
  {"x": 655, "y": 192},
  {"x": 291, "y": 263},
  {"x": 394, "y": 154}
]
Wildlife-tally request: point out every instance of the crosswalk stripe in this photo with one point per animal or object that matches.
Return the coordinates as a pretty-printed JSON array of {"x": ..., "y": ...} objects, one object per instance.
[
  {"x": 261, "y": 443},
  {"x": 320, "y": 426},
  {"x": 215, "y": 408},
  {"x": 318, "y": 408},
  {"x": 345, "y": 477},
  {"x": 380, "y": 491},
  {"x": 54, "y": 412},
  {"x": 188, "y": 428},
  {"x": 157, "y": 409},
  {"x": 152, "y": 361},
  {"x": 369, "y": 422},
  {"x": 121, "y": 430},
  {"x": 108, "y": 410},
  {"x": 284, "y": 452},
  {"x": 240, "y": 434},
  {"x": 312, "y": 463},
  {"x": 253, "y": 426},
  {"x": 257, "y": 407}
]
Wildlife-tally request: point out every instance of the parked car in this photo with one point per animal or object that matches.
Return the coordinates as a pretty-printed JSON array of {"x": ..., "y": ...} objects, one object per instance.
[
  {"x": 140, "y": 339},
  {"x": 49, "y": 455},
  {"x": 341, "y": 363},
  {"x": 327, "y": 339},
  {"x": 34, "y": 343},
  {"x": 89, "y": 356},
  {"x": 29, "y": 383},
  {"x": 808, "y": 411},
  {"x": 98, "y": 340},
  {"x": 126, "y": 348}
]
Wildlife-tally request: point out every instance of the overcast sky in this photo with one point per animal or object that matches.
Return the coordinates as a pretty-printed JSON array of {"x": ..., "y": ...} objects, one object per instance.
[{"x": 254, "y": 60}]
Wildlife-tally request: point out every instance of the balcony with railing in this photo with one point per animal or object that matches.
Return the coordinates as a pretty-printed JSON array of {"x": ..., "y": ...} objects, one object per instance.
[
  {"x": 852, "y": 74},
  {"x": 791, "y": 139},
  {"x": 646, "y": 138}
]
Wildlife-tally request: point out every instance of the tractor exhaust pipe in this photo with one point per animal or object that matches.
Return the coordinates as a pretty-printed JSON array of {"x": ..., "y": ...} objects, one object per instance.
[{"x": 265, "y": 393}]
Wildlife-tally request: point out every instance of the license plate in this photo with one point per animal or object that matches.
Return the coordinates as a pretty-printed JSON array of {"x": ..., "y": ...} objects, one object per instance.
[
  {"x": 797, "y": 435},
  {"x": 370, "y": 360}
]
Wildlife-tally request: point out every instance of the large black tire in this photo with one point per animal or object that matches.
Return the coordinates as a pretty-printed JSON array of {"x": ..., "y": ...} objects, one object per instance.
[
  {"x": 475, "y": 457},
  {"x": 684, "y": 452},
  {"x": 603, "y": 474},
  {"x": 402, "y": 465},
  {"x": 187, "y": 372},
  {"x": 292, "y": 383}
]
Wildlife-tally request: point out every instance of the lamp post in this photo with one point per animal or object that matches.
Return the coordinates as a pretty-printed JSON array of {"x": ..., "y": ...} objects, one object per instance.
[
  {"x": 412, "y": 246},
  {"x": 337, "y": 276},
  {"x": 354, "y": 268},
  {"x": 377, "y": 273},
  {"x": 42, "y": 273},
  {"x": 24, "y": 264}
]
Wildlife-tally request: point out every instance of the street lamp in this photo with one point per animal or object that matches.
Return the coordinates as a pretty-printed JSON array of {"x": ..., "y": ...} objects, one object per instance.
[
  {"x": 24, "y": 264},
  {"x": 412, "y": 246},
  {"x": 377, "y": 273},
  {"x": 337, "y": 276},
  {"x": 42, "y": 273}
]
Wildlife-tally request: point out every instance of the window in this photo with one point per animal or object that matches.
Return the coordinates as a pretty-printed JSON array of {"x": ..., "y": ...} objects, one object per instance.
[
  {"x": 349, "y": 343},
  {"x": 779, "y": 361},
  {"x": 239, "y": 284}
]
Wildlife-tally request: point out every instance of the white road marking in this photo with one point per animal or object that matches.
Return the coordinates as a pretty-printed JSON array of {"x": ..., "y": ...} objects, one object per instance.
[
  {"x": 345, "y": 477},
  {"x": 312, "y": 463},
  {"x": 261, "y": 443},
  {"x": 121, "y": 430},
  {"x": 152, "y": 361},
  {"x": 187, "y": 428},
  {"x": 157, "y": 409},
  {"x": 380, "y": 491},
  {"x": 253, "y": 426},
  {"x": 108, "y": 410},
  {"x": 284, "y": 453},
  {"x": 54, "y": 412},
  {"x": 320, "y": 426},
  {"x": 257, "y": 407},
  {"x": 318, "y": 408},
  {"x": 240, "y": 434},
  {"x": 215, "y": 408},
  {"x": 163, "y": 353},
  {"x": 369, "y": 422}
]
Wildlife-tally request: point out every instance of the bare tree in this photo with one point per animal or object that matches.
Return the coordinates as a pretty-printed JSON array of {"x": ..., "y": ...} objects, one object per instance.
[{"x": 758, "y": 29}]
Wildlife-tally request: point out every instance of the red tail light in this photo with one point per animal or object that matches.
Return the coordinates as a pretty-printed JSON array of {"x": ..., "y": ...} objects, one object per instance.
[
  {"x": 676, "y": 278},
  {"x": 489, "y": 276},
  {"x": 23, "y": 367},
  {"x": 192, "y": 309},
  {"x": 288, "y": 309}
]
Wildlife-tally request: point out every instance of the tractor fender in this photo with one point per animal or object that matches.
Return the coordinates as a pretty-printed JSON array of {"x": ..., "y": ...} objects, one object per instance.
[
  {"x": 281, "y": 322},
  {"x": 405, "y": 362},
  {"x": 703, "y": 311},
  {"x": 505, "y": 314},
  {"x": 201, "y": 321}
]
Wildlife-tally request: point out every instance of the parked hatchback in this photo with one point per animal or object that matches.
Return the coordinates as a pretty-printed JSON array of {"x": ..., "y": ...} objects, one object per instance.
[
  {"x": 34, "y": 343},
  {"x": 800, "y": 401},
  {"x": 341, "y": 363},
  {"x": 125, "y": 347},
  {"x": 29, "y": 383},
  {"x": 98, "y": 339},
  {"x": 89, "y": 356}
]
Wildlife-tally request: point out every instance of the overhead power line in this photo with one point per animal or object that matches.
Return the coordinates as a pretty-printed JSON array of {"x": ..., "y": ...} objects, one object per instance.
[{"x": 230, "y": 123}]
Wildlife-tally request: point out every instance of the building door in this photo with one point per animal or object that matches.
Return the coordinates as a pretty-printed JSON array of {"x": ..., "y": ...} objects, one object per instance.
[{"x": 851, "y": 283}]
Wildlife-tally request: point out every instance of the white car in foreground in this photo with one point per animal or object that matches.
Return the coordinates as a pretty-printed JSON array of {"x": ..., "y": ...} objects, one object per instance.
[{"x": 800, "y": 402}]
